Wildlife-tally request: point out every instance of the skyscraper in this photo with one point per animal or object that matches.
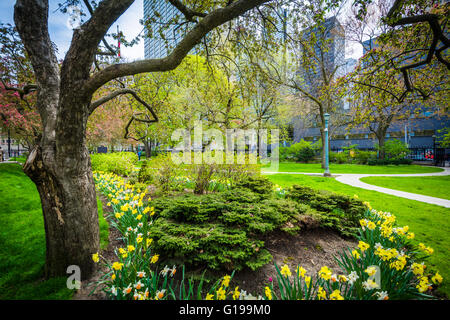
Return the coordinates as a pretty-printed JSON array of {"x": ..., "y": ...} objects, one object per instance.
[
  {"x": 165, "y": 34},
  {"x": 329, "y": 49}
]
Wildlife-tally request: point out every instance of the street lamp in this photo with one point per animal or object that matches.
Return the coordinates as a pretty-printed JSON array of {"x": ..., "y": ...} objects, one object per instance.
[
  {"x": 326, "y": 116},
  {"x": 434, "y": 149}
]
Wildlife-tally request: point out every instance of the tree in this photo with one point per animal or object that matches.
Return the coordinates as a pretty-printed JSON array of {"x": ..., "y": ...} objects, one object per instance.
[
  {"x": 17, "y": 112},
  {"x": 312, "y": 69},
  {"x": 59, "y": 163},
  {"x": 377, "y": 93},
  {"x": 423, "y": 21}
]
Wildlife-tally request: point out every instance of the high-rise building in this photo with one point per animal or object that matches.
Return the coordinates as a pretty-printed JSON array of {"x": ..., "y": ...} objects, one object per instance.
[
  {"x": 165, "y": 34},
  {"x": 329, "y": 49}
]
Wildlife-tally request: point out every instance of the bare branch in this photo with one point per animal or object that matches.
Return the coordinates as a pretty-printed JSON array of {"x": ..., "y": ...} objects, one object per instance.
[
  {"x": 188, "y": 13},
  {"x": 116, "y": 93}
]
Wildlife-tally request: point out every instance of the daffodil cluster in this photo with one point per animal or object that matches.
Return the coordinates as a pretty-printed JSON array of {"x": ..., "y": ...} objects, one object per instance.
[{"x": 384, "y": 265}]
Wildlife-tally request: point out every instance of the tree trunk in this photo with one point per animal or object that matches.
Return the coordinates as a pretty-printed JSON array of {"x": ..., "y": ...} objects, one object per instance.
[
  {"x": 381, "y": 136},
  {"x": 69, "y": 207},
  {"x": 148, "y": 148}
]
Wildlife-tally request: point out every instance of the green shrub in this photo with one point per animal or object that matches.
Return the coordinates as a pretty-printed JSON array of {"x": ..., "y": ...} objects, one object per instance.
[
  {"x": 384, "y": 162},
  {"x": 121, "y": 163},
  {"x": 336, "y": 211},
  {"x": 302, "y": 151},
  {"x": 259, "y": 184},
  {"x": 395, "y": 149},
  {"x": 165, "y": 172},
  {"x": 363, "y": 157},
  {"x": 222, "y": 230},
  {"x": 338, "y": 157},
  {"x": 146, "y": 174}
]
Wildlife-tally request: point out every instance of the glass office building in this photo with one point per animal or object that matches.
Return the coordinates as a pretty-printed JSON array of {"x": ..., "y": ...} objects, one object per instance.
[{"x": 165, "y": 34}]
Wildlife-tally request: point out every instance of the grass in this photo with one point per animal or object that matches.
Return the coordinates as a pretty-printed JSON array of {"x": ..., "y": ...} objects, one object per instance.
[
  {"x": 22, "y": 240},
  {"x": 429, "y": 186},
  {"x": 354, "y": 168},
  {"x": 430, "y": 223}
]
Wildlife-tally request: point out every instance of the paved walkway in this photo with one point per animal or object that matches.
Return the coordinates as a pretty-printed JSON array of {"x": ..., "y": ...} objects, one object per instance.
[{"x": 353, "y": 180}]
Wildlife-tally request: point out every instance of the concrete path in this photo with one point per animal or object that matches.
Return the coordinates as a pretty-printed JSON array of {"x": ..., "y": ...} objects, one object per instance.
[{"x": 353, "y": 180}]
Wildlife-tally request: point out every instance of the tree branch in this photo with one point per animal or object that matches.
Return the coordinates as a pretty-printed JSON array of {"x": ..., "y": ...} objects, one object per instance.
[
  {"x": 116, "y": 93},
  {"x": 192, "y": 38},
  {"x": 188, "y": 13}
]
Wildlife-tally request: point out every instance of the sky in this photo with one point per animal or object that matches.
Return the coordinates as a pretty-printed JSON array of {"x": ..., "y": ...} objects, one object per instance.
[{"x": 61, "y": 33}]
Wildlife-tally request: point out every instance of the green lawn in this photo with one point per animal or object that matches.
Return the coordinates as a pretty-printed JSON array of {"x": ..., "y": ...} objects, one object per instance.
[
  {"x": 430, "y": 223},
  {"x": 354, "y": 168},
  {"x": 438, "y": 187},
  {"x": 22, "y": 240}
]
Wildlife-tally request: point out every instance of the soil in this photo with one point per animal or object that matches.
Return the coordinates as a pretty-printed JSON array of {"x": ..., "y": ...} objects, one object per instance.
[
  {"x": 114, "y": 241},
  {"x": 310, "y": 249}
]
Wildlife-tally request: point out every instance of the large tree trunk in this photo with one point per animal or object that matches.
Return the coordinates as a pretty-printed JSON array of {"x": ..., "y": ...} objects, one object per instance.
[{"x": 69, "y": 207}]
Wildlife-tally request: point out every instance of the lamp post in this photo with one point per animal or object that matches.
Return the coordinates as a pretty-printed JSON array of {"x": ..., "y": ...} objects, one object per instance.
[
  {"x": 326, "y": 116},
  {"x": 434, "y": 149}
]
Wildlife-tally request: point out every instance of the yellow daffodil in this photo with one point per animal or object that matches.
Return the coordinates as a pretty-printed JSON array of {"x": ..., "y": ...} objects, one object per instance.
[
  {"x": 285, "y": 271},
  {"x": 154, "y": 258},
  {"x": 268, "y": 293},
  {"x": 117, "y": 266},
  {"x": 325, "y": 273},
  {"x": 226, "y": 281}
]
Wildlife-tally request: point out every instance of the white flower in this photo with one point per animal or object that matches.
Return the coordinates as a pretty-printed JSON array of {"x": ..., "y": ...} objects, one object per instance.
[
  {"x": 370, "y": 284},
  {"x": 382, "y": 295},
  {"x": 140, "y": 274},
  {"x": 165, "y": 271},
  {"x": 114, "y": 290},
  {"x": 352, "y": 277}
]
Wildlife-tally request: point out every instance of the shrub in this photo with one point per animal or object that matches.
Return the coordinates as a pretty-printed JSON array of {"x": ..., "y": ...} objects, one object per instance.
[
  {"x": 302, "y": 151},
  {"x": 121, "y": 163},
  {"x": 165, "y": 172},
  {"x": 221, "y": 230},
  {"x": 258, "y": 184},
  {"x": 336, "y": 211},
  {"x": 146, "y": 173},
  {"x": 383, "y": 162},
  {"x": 395, "y": 149},
  {"x": 202, "y": 174},
  {"x": 363, "y": 157},
  {"x": 338, "y": 157}
]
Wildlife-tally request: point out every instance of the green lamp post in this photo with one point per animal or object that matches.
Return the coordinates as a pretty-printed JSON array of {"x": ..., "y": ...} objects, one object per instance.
[{"x": 326, "y": 116}]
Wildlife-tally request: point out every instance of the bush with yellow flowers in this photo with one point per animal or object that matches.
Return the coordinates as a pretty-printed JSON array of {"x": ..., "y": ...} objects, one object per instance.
[{"x": 385, "y": 265}]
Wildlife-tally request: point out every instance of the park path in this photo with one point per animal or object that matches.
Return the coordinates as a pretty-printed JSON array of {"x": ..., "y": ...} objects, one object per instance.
[{"x": 353, "y": 180}]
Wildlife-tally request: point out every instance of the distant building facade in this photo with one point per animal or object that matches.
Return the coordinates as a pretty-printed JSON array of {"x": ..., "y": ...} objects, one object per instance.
[{"x": 420, "y": 132}]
